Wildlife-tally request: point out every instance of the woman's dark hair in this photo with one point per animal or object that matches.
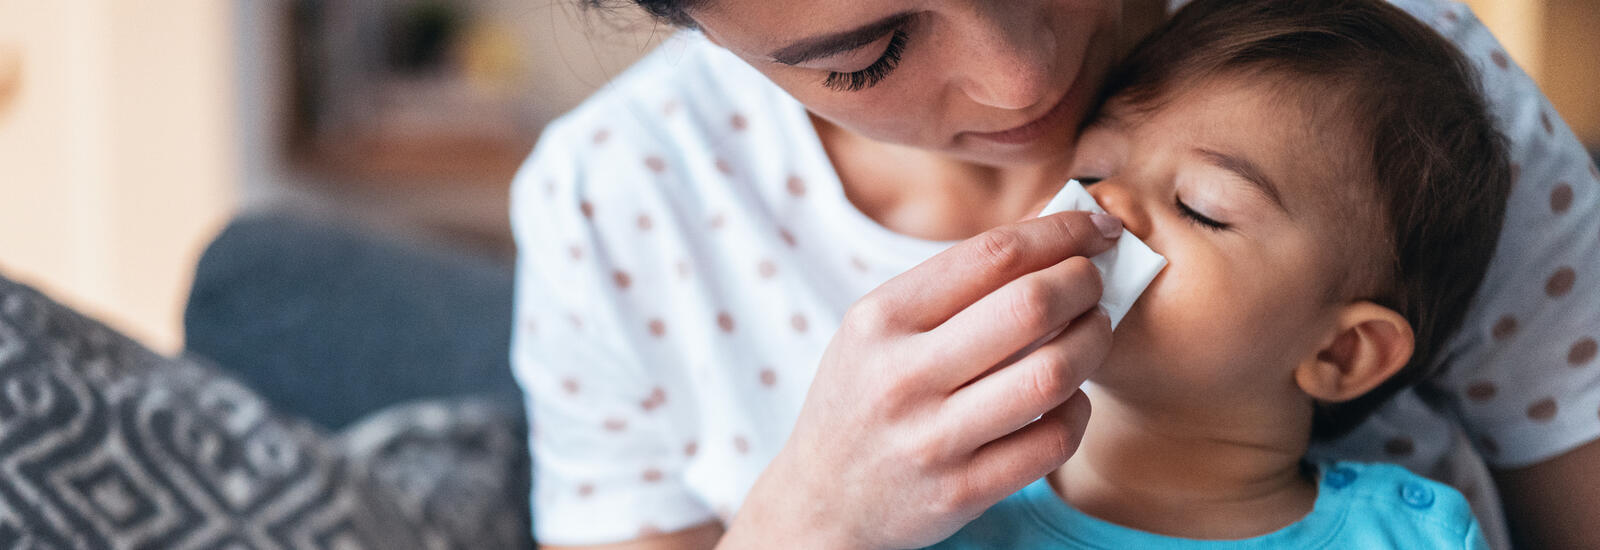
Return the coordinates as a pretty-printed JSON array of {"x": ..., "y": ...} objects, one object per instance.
[
  {"x": 1438, "y": 167},
  {"x": 672, "y": 12}
]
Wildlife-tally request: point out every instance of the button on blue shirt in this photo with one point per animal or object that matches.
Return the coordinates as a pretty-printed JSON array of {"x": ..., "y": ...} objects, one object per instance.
[{"x": 1358, "y": 506}]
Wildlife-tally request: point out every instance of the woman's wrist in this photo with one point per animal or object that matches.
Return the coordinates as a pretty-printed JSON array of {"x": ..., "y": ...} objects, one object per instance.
[{"x": 780, "y": 512}]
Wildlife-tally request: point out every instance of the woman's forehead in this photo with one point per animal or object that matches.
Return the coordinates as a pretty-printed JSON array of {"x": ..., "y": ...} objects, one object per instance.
[
  {"x": 762, "y": 27},
  {"x": 759, "y": 27}
]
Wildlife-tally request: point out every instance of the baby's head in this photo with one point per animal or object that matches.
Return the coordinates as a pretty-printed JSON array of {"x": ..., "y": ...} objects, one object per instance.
[{"x": 1327, "y": 185}]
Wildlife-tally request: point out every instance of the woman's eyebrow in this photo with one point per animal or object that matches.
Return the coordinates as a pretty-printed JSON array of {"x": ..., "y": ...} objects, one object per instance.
[
  {"x": 1246, "y": 170},
  {"x": 828, "y": 45}
]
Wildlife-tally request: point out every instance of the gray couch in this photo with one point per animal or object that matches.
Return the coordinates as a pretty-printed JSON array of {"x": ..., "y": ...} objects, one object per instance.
[{"x": 105, "y": 444}]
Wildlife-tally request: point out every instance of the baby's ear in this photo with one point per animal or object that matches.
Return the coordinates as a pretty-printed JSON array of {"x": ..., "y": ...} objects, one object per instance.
[{"x": 1369, "y": 344}]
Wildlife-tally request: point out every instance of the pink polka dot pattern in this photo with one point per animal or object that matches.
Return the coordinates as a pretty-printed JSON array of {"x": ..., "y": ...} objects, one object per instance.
[
  {"x": 1500, "y": 59},
  {"x": 1561, "y": 198},
  {"x": 1582, "y": 352},
  {"x": 615, "y": 424},
  {"x": 683, "y": 269},
  {"x": 738, "y": 122},
  {"x": 766, "y": 269},
  {"x": 585, "y": 490},
  {"x": 691, "y": 448},
  {"x": 799, "y": 323},
  {"x": 1560, "y": 283},
  {"x": 622, "y": 279},
  {"x": 718, "y": 221},
  {"x": 658, "y": 328},
  {"x": 788, "y": 238},
  {"x": 1399, "y": 446},
  {"x": 725, "y": 321},
  {"x": 655, "y": 164},
  {"x": 740, "y": 445},
  {"x": 1482, "y": 390},
  {"x": 657, "y": 398},
  {"x": 576, "y": 252},
  {"x": 769, "y": 378},
  {"x": 570, "y": 385},
  {"x": 724, "y": 167},
  {"x": 576, "y": 320},
  {"x": 1504, "y": 328},
  {"x": 796, "y": 186},
  {"x": 587, "y": 208},
  {"x": 644, "y": 222},
  {"x": 1542, "y": 410},
  {"x": 601, "y": 136},
  {"x": 650, "y": 475},
  {"x": 669, "y": 107}
]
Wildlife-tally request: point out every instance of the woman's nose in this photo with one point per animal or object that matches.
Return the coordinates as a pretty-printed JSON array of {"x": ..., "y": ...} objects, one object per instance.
[
  {"x": 1008, "y": 70},
  {"x": 1120, "y": 201}
]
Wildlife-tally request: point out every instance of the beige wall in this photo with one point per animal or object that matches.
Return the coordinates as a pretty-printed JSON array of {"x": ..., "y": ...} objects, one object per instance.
[
  {"x": 1556, "y": 42},
  {"x": 116, "y": 164}
]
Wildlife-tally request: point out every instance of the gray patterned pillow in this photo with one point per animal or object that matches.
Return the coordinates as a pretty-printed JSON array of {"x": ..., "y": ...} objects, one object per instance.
[{"x": 104, "y": 444}]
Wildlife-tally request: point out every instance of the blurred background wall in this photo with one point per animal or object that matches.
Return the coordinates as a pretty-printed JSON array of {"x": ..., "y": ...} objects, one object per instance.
[
  {"x": 132, "y": 130},
  {"x": 117, "y": 155}
]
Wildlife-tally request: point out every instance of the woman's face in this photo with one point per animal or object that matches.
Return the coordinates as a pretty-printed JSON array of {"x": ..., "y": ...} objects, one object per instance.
[{"x": 1000, "y": 83}]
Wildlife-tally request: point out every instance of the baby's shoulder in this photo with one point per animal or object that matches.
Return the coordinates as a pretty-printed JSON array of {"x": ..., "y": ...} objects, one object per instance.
[{"x": 1393, "y": 507}]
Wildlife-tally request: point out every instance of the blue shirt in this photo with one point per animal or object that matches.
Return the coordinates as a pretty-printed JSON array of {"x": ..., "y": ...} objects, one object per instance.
[{"x": 1358, "y": 506}]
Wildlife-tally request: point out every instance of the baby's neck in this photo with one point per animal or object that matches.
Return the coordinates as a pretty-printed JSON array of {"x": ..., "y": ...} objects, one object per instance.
[{"x": 1184, "y": 479}]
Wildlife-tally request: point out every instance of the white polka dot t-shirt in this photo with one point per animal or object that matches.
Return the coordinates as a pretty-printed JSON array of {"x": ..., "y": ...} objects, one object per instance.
[{"x": 686, "y": 252}]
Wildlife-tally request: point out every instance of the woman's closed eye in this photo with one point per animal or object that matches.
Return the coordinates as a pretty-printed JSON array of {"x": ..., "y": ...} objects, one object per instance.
[{"x": 874, "y": 73}]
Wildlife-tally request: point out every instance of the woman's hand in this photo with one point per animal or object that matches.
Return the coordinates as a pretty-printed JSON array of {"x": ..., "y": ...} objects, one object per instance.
[{"x": 921, "y": 415}]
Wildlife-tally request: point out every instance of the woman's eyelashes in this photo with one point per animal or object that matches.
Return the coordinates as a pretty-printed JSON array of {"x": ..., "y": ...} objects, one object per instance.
[
  {"x": 874, "y": 73},
  {"x": 1198, "y": 218}
]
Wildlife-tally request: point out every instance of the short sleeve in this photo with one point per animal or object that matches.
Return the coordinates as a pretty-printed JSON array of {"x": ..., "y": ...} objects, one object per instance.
[
  {"x": 605, "y": 465},
  {"x": 1522, "y": 373}
]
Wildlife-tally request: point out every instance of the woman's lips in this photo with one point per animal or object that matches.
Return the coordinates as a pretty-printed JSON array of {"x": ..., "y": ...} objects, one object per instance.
[{"x": 1031, "y": 131}]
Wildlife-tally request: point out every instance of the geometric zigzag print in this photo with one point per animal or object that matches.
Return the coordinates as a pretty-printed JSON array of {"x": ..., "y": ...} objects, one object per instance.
[{"x": 104, "y": 444}]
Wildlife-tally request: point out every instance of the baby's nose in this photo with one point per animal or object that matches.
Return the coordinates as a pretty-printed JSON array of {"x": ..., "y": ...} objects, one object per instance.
[{"x": 1119, "y": 201}]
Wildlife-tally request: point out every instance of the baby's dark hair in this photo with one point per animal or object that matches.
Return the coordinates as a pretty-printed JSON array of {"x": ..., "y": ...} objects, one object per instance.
[{"x": 1437, "y": 168}]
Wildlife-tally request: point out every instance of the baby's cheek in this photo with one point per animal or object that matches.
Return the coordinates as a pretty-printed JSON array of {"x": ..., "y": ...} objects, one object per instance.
[{"x": 1195, "y": 317}]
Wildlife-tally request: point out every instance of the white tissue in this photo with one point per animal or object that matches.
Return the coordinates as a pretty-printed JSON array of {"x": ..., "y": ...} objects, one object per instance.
[{"x": 1126, "y": 269}]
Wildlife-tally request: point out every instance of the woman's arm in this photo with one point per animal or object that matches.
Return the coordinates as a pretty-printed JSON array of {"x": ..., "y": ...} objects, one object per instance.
[
  {"x": 1553, "y": 504},
  {"x": 694, "y": 538}
]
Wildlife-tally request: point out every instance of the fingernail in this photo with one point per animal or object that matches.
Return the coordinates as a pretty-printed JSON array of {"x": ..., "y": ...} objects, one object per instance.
[{"x": 1108, "y": 224}]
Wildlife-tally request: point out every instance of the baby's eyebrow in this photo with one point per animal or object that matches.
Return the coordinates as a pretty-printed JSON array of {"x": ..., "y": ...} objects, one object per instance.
[{"x": 1246, "y": 170}]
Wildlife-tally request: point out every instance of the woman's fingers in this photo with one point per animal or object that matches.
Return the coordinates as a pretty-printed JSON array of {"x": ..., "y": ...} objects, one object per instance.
[
  {"x": 936, "y": 289},
  {"x": 1009, "y": 397},
  {"x": 1021, "y": 313},
  {"x": 1010, "y": 463}
]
